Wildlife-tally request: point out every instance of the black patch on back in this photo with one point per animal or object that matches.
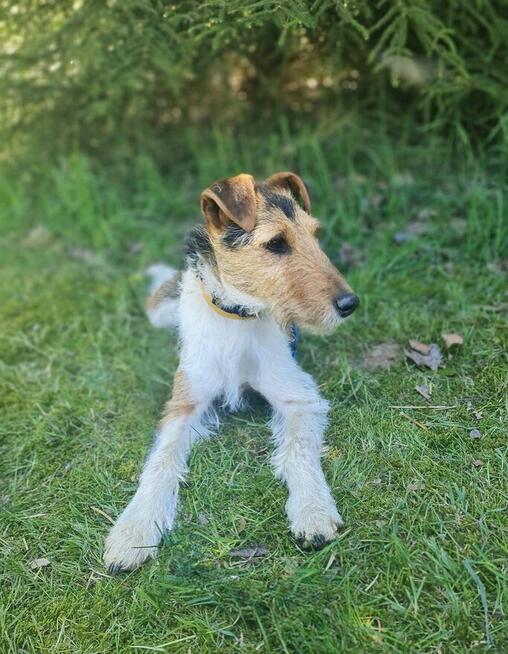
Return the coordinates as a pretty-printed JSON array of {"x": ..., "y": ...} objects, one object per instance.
[
  {"x": 235, "y": 237},
  {"x": 282, "y": 202},
  {"x": 197, "y": 246}
]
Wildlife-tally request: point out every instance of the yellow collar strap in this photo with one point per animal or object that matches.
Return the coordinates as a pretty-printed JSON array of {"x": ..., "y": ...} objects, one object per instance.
[{"x": 222, "y": 312}]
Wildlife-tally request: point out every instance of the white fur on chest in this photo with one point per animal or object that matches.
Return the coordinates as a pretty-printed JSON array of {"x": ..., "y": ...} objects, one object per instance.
[{"x": 219, "y": 352}]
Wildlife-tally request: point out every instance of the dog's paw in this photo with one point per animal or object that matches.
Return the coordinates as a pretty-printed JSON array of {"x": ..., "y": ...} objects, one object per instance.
[
  {"x": 314, "y": 524},
  {"x": 130, "y": 543}
]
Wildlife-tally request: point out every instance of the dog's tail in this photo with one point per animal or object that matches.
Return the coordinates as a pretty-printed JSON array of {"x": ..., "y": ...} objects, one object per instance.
[{"x": 164, "y": 295}]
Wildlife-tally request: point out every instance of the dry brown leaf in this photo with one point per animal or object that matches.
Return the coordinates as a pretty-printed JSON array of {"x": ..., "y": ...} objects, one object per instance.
[
  {"x": 424, "y": 391},
  {"x": 449, "y": 267},
  {"x": 37, "y": 564},
  {"x": 135, "y": 247},
  {"x": 452, "y": 339},
  {"x": 495, "y": 308},
  {"x": 459, "y": 226},
  {"x": 422, "y": 348},
  {"x": 432, "y": 359},
  {"x": 37, "y": 237},
  {"x": 477, "y": 415},
  {"x": 340, "y": 183},
  {"x": 85, "y": 255},
  {"x": 425, "y": 214},
  {"x": 403, "y": 179},
  {"x": 382, "y": 356},
  {"x": 290, "y": 565},
  {"x": 403, "y": 237},
  {"x": 250, "y": 552},
  {"x": 203, "y": 520},
  {"x": 411, "y": 232},
  {"x": 498, "y": 267},
  {"x": 371, "y": 202}
]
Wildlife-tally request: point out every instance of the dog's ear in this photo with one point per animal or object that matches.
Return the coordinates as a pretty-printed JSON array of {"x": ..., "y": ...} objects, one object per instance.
[
  {"x": 293, "y": 183},
  {"x": 231, "y": 199}
]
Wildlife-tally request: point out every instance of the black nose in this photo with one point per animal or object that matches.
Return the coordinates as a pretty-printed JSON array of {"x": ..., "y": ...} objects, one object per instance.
[{"x": 346, "y": 304}]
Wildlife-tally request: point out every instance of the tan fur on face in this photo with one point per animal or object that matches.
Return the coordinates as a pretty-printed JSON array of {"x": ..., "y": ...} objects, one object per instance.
[{"x": 299, "y": 286}]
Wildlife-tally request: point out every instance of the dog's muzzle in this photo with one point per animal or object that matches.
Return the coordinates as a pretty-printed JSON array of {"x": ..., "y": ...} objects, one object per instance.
[{"x": 346, "y": 304}]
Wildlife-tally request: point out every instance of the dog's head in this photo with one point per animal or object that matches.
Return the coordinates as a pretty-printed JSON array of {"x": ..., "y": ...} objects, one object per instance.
[{"x": 264, "y": 242}]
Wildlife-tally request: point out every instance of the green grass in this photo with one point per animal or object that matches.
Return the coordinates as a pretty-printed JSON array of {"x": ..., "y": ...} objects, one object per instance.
[{"x": 422, "y": 564}]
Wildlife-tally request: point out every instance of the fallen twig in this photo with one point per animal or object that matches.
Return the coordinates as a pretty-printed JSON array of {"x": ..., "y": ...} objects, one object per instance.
[
  {"x": 437, "y": 407},
  {"x": 415, "y": 422},
  {"x": 103, "y": 514}
]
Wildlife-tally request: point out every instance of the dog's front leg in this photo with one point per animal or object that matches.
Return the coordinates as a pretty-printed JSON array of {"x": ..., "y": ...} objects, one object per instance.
[
  {"x": 136, "y": 534},
  {"x": 298, "y": 423}
]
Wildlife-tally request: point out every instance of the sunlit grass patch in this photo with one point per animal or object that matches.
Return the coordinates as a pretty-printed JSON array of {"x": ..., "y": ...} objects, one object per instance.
[{"x": 421, "y": 565}]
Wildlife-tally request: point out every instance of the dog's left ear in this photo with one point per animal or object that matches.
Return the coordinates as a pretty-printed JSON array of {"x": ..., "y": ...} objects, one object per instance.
[
  {"x": 295, "y": 184},
  {"x": 230, "y": 200}
]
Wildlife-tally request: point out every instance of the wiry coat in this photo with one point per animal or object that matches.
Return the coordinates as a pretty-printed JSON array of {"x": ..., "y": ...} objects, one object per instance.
[{"x": 254, "y": 270}]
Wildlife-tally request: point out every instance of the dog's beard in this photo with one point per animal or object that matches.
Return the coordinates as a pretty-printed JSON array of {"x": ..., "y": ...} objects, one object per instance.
[
  {"x": 326, "y": 323},
  {"x": 321, "y": 329}
]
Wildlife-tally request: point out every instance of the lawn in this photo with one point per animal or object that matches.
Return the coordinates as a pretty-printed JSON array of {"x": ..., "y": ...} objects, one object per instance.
[{"x": 422, "y": 563}]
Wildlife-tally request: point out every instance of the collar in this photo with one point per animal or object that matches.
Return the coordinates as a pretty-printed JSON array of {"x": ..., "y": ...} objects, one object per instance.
[
  {"x": 237, "y": 312},
  {"x": 234, "y": 312}
]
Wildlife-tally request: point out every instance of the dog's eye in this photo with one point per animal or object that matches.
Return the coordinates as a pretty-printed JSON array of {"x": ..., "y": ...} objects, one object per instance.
[{"x": 278, "y": 245}]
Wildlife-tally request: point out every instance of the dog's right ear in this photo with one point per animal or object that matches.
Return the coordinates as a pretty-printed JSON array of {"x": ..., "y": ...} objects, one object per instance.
[{"x": 230, "y": 200}]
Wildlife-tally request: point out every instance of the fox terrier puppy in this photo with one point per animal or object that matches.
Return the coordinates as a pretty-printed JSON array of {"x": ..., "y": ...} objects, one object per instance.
[{"x": 252, "y": 272}]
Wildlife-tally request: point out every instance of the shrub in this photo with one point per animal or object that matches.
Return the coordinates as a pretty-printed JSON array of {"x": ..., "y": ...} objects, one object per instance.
[{"x": 93, "y": 74}]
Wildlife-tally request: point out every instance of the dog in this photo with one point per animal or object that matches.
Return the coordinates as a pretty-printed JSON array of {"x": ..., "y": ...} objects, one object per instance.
[{"x": 252, "y": 271}]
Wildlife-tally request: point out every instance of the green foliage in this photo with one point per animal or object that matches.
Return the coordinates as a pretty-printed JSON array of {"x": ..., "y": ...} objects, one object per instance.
[{"x": 96, "y": 74}]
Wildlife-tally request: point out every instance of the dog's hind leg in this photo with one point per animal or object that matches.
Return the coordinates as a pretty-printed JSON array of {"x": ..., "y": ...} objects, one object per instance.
[
  {"x": 135, "y": 536},
  {"x": 165, "y": 288},
  {"x": 298, "y": 424}
]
